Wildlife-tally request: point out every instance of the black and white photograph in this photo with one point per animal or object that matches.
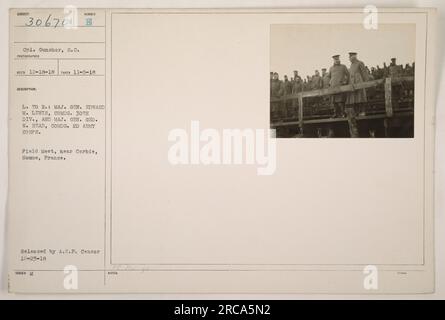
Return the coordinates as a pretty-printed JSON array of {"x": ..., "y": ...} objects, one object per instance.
[
  {"x": 342, "y": 81},
  {"x": 144, "y": 158}
]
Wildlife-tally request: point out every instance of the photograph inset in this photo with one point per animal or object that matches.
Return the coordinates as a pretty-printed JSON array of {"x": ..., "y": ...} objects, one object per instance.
[{"x": 342, "y": 81}]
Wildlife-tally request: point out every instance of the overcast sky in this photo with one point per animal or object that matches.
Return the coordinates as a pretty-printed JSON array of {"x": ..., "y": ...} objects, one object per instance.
[{"x": 310, "y": 47}]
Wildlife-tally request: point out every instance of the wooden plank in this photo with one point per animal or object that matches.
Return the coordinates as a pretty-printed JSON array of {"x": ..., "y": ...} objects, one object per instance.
[
  {"x": 300, "y": 112},
  {"x": 332, "y": 120},
  {"x": 330, "y": 91},
  {"x": 388, "y": 97},
  {"x": 342, "y": 89},
  {"x": 386, "y": 126}
]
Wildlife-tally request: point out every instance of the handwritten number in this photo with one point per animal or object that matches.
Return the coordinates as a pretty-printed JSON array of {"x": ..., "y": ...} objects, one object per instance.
[
  {"x": 30, "y": 22},
  {"x": 48, "y": 22}
]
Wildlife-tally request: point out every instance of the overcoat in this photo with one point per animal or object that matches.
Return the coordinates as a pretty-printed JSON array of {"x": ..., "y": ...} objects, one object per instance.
[
  {"x": 326, "y": 81},
  {"x": 339, "y": 75},
  {"x": 316, "y": 82},
  {"x": 357, "y": 74},
  {"x": 277, "y": 88}
]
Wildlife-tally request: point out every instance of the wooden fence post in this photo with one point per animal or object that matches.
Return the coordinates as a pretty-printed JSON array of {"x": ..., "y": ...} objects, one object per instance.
[
  {"x": 388, "y": 97},
  {"x": 300, "y": 112}
]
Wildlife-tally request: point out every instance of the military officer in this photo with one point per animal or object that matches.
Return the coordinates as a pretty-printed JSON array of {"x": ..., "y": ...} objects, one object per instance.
[
  {"x": 287, "y": 90},
  {"x": 325, "y": 78},
  {"x": 276, "y": 86},
  {"x": 394, "y": 70},
  {"x": 287, "y": 86},
  {"x": 308, "y": 83},
  {"x": 338, "y": 75},
  {"x": 277, "y": 91},
  {"x": 297, "y": 87},
  {"x": 298, "y": 83},
  {"x": 316, "y": 81},
  {"x": 357, "y": 74},
  {"x": 325, "y": 84},
  {"x": 296, "y": 75}
]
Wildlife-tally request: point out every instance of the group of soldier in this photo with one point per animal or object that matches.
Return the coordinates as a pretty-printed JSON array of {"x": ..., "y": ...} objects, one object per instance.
[{"x": 343, "y": 105}]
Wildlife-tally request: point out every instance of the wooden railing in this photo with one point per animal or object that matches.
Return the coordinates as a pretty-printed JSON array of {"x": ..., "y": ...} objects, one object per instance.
[{"x": 388, "y": 83}]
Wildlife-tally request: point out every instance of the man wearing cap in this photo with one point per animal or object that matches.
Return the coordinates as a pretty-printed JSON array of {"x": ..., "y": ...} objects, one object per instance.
[
  {"x": 298, "y": 83},
  {"x": 394, "y": 69},
  {"x": 297, "y": 76},
  {"x": 357, "y": 74},
  {"x": 338, "y": 75},
  {"x": 287, "y": 90},
  {"x": 287, "y": 85},
  {"x": 316, "y": 81},
  {"x": 276, "y": 91},
  {"x": 276, "y": 86},
  {"x": 325, "y": 78},
  {"x": 325, "y": 84},
  {"x": 297, "y": 87}
]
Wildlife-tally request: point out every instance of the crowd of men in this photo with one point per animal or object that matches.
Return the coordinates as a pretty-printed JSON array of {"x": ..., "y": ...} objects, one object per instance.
[
  {"x": 343, "y": 105},
  {"x": 296, "y": 83}
]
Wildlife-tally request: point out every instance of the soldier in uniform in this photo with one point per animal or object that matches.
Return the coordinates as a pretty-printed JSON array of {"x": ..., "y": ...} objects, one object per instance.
[
  {"x": 298, "y": 83},
  {"x": 277, "y": 91},
  {"x": 316, "y": 81},
  {"x": 287, "y": 90},
  {"x": 309, "y": 83},
  {"x": 338, "y": 75},
  {"x": 296, "y": 76},
  {"x": 325, "y": 78},
  {"x": 316, "y": 84},
  {"x": 296, "y": 88},
  {"x": 276, "y": 86},
  {"x": 395, "y": 71},
  {"x": 357, "y": 74},
  {"x": 325, "y": 84},
  {"x": 287, "y": 85},
  {"x": 409, "y": 71}
]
